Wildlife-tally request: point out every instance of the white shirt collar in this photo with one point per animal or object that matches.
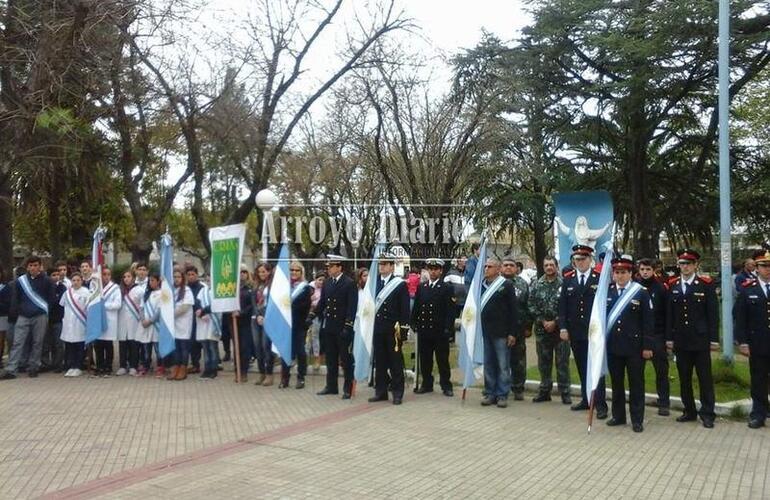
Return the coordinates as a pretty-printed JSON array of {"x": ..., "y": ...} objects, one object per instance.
[
  {"x": 689, "y": 281},
  {"x": 386, "y": 278}
]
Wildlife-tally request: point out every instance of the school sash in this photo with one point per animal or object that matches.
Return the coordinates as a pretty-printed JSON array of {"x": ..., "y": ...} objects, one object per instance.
[
  {"x": 133, "y": 307},
  {"x": 389, "y": 288},
  {"x": 108, "y": 290},
  {"x": 73, "y": 306},
  {"x": 490, "y": 291},
  {"x": 36, "y": 299},
  {"x": 204, "y": 295},
  {"x": 620, "y": 305},
  {"x": 298, "y": 290},
  {"x": 150, "y": 312}
]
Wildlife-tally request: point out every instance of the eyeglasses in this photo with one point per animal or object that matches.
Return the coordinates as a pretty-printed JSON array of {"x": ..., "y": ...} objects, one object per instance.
[
  {"x": 489, "y": 265},
  {"x": 296, "y": 270}
]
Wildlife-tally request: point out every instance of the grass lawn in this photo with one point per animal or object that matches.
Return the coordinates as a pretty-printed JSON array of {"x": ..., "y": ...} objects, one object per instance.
[{"x": 730, "y": 382}]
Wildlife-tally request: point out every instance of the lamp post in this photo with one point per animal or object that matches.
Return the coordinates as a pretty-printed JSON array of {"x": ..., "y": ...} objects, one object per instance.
[
  {"x": 355, "y": 244},
  {"x": 265, "y": 200},
  {"x": 725, "y": 221}
]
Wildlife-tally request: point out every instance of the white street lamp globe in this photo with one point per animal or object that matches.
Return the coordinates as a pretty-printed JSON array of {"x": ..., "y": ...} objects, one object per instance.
[{"x": 266, "y": 200}]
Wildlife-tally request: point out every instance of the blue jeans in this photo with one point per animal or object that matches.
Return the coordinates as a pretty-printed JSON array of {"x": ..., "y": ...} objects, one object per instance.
[
  {"x": 210, "y": 355},
  {"x": 262, "y": 349},
  {"x": 182, "y": 351},
  {"x": 497, "y": 368}
]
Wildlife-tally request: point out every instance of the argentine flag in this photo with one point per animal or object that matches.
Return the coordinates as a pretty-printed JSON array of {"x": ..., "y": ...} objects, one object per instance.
[
  {"x": 96, "y": 316},
  {"x": 471, "y": 355},
  {"x": 597, "y": 329},
  {"x": 278, "y": 310},
  {"x": 363, "y": 327},
  {"x": 166, "y": 306}
]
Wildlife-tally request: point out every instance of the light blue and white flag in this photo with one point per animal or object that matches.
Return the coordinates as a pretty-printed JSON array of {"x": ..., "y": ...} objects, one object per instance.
[
  {"x": 363, "y": 326},
  {"x": 166, "y": 306},
  {"x": 597, "y": 328},
  {"x": 278, "y": 309},
  {"x": 471, "y": 352},
  {"x": 96, "y": 320}
]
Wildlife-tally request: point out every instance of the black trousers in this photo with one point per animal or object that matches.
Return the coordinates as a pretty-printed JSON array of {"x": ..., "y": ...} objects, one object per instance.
[
  {"x": 338, "y": 351},
  {"x": 299, "y": 353},
  {"x": 660, "y": 364},
  {"x": 104, "y": 354},
  {"x": 74, "y": 352},
  {"x": 388, "y": 360},
  {"x": 701, "y": 362},
  {"x": 128, "y": 354},
  {"x": 430, "y": 344},
  {"x": 580, "y": 351},
  {"x": 634, "y": 366},
  {"x": 759, "y": 367}
]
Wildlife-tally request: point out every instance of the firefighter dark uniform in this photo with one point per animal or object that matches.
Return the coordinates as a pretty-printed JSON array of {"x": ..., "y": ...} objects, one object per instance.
[
  {"x": 659, "y": 297},
  {"x": 575, "y": 303},
  {"x": 337, "y": 310},
  {"x": 691, "y": 324},
  {"x": 391, "y": 329},
  {"x": 627, "y": 337},
  {"x": 752, "y": 330},
  {"x": 432, "y": 320}
]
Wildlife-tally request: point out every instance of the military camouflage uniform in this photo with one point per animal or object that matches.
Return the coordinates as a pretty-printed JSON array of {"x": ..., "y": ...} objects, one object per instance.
[
  {"x": 519, "y": 351},
  {"x": 544, "y": 306}
]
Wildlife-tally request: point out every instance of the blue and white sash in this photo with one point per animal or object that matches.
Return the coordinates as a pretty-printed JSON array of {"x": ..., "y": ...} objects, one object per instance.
[
  {"x": 297, "y": 291},
  {"x": 26, "y": 286},
  {"x": 490, "y": 291},
  {"x": 73, "y": 306},
  {"x": 150, "y": 312},
  {"x": 389, "y": 287},
  {"x": 205, "y": 299},
  {"x": 620, "y": 305}
]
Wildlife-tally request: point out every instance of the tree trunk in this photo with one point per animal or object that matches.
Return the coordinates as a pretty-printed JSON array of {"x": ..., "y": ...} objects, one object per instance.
[
  {"x": 141, "y": 247},
  {"x": 6, "y": 227},
  {"x": 539, "y": 229}
]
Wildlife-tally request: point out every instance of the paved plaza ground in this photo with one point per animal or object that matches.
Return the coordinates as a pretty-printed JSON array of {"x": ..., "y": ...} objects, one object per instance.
[{"x": 146, "y": 438}]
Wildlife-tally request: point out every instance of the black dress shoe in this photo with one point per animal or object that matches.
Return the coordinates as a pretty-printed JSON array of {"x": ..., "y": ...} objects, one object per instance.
[
  {"x": 346, "y": 395},
  {"x": 423, "y": 390},
  {"x": 566, "y": 399},
  {"x": 580, "y": 406},
  {"x": 325, "y": 391},
  {"x": 542, "y": 397},
  {"x": 638, "y": 427},
  {"x": 518, "y": 396},
  {"x": 396, "y": 401},
  {"x": 448, "y": 393},
  {"x": 376, "y": 398},
  {"x": 300, "y": 384},
  {"x": 32, "y": 374},
  {"x": 755, "y": 423},
  {"x": 7, "y": 376},
  {"x": 613, "y": 422},
  {"x": 708, "y": 423},
  {"x": 601, "y": 414},
  {"x": 686, "y": 418},
  {"x": 663, "y": 411}
]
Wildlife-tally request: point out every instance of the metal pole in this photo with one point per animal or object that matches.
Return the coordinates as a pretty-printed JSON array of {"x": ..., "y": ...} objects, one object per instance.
[
  {"x": 724, "y": 179},
  {"x": 264, "y": 235}
]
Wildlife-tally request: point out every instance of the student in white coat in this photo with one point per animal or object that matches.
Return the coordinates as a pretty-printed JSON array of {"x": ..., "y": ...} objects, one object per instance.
[
  {"x": 147, "y": 333},
  {"x": 128, "y": 322},
  {"x": 183, "y": 325},
  {"x": 208, "y": 330},
  {"x": 73, "y": 332},
  {"x": 104, "y": 346}
]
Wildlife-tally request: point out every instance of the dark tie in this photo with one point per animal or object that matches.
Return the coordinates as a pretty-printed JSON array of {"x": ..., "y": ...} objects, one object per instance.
[
  {"x": 767, "y": 290},
  {"x": 620, "y": 292},
  {"x": 380, "y": 284},
  {"x": 582, "y": 280}
]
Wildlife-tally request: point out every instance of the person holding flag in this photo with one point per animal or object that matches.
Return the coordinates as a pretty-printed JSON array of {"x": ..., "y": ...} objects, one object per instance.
[
  {"x": 391, "y": 329},
  {"x": 630, "y": 327},
  {"x": 147, "y": 334},
  {"x": 104, "y": 345},
  {"x": 575, "y": 305},
  {"x": 501, "y": 331},
  {"x": 301, "y": 293},
  {"x": 31, "y": 301},
  {"x": 73, "y": 332},
  {"x": 337, "y": 310}
]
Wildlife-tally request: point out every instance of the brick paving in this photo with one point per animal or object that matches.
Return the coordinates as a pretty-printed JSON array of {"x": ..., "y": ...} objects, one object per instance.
[{"x": 129, "y": 438}]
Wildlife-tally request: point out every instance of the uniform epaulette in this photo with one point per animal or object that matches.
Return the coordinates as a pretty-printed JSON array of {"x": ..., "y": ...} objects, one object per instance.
[
  {"x": 749, "y": 282},
  {"x": 673, "y": 281},
  {"x": 569, "y": 274},
  {"x": 706, "y": 279},
  {"x": 596, "y": 271}
]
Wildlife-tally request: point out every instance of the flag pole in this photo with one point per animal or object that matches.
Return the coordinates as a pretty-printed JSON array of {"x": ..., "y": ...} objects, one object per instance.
[
  {"x": 591, "y": 411},
  {"x": 236, "y": 348}
]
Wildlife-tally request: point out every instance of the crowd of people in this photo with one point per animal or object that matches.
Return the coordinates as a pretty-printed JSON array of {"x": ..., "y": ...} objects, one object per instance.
[{"x": 43, "y": 322}]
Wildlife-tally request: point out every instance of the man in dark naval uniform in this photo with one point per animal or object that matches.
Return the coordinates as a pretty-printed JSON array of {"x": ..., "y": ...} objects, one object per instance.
[
  {"x": 391, "y": 329},
  {"x": 337, "y": 310},
  {"x": 575, "y": 302},
  {"x": 629, "y": 342},
  {"x": 432, "y": 320},
  {"x": 752, "y": 331},
  {"x": 691, "y": 331}
]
